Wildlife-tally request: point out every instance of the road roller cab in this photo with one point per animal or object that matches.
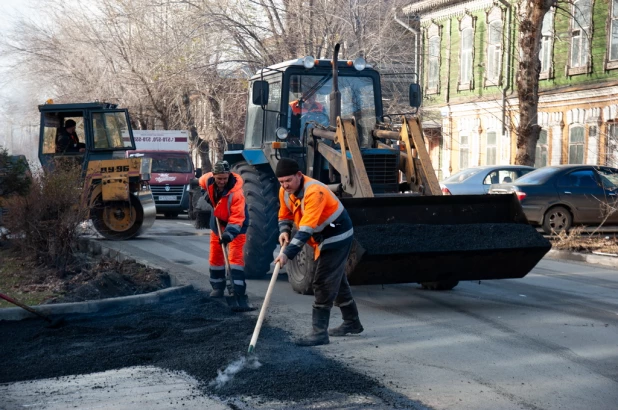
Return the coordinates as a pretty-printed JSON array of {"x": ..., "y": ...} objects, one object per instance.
[{"x": 96, "y": 135}]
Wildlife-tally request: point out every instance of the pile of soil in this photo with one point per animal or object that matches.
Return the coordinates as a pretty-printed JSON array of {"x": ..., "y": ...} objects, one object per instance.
[
  {"x": 392, "y": 239},
  {"x": 194, "y": 334},
  {"x": 32, "y": 282},
  {"x": 109, "y": 278}
]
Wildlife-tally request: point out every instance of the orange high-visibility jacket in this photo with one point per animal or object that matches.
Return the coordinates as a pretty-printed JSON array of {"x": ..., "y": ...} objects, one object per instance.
[
  {"x": 231, "y": 208},
  {"x": 318, "y": 215},
  {"x": 307, "y": 107}
]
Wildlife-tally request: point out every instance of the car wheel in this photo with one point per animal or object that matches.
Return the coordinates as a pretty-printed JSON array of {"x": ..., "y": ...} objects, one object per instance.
[{"x": 557, "y": 219}]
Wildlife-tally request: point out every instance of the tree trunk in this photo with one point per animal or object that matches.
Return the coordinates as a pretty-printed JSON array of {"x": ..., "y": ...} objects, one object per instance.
[{"x": 531, "y": 14}]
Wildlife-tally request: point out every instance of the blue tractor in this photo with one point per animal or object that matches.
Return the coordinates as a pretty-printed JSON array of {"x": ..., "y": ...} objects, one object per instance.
[{"x": 328, "y": 116}]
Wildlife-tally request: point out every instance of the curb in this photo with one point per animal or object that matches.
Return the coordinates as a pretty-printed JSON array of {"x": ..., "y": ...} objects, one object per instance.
[
  {"x": 603, "y": 260},
  {"x": 96, "y": 305}
]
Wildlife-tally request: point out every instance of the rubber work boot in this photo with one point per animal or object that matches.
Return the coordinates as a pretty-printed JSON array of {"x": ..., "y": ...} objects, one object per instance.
[
  {"x": 216, "y": 293},
  {"x": 351, "y": 323},
  {"x": 319, "y": 333}
]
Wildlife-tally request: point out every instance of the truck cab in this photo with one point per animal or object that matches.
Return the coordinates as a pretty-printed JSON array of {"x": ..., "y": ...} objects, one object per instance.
[{"x": 170, "y": 176}]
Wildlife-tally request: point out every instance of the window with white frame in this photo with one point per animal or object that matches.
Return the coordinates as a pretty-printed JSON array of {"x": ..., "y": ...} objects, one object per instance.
[
  {"x": 612, "y": 49},
  {"x": 542, "y": 148},
  {"x": 491, "y": 149},
  {"x": 467, "y": 50},
  {"x": 547, "y": 35},
  {"x": 494, "y": 52},
  {"x": 611, "y": 145},
  {"x": 464, "y": 151},
  {"x": 580, "y": 36},
  {"x": 576, "y": 144},
  {"x": 433, "y": 74}
]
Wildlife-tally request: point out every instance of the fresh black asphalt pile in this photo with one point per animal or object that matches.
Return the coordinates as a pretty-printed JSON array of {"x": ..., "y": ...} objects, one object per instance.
[
  {"x": 392, "y": 239},
  {"x": 194, "y": 334}
]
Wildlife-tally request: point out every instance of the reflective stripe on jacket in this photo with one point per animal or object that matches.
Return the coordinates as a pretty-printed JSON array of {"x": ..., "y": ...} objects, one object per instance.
[
  {"x": 231, "y": 208},
  {"x": 318, "y": 215}
]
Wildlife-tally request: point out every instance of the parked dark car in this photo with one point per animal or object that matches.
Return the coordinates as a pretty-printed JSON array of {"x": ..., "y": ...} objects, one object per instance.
[
  {"x": 477, "y": 180},
  {"x": 559, "y": 197}
]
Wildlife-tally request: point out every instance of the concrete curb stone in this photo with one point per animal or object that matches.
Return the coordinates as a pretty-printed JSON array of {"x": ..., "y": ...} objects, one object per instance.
[{"x": 604, "y": 260}]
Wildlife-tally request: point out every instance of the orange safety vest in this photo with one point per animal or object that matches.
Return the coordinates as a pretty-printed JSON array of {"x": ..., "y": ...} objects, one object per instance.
[
  {"x": 307, "y": 107},
  {"x": 315, "y": 207},
  {"x": 231, "y": 208}
]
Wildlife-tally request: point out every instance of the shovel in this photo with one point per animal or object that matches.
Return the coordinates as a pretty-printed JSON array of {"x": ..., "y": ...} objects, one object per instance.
[
  {"x": 238, "y": 303},
  {"x": 52, "y": 323},
  {"x": 269, "y": 291}
]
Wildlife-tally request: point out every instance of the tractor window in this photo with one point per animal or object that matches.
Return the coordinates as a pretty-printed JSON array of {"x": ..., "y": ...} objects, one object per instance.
[
  {"x": 309, "y": 103},
  {"x": 256, "y": 115},
  {"x": 53, "y": 129},
  {"x": 110, "y": 130}
]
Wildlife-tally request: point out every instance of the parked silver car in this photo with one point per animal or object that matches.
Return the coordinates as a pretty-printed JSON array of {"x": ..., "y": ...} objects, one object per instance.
[
  {"x": 559, "y": 197},
  {"x": 477, "y": 180}
]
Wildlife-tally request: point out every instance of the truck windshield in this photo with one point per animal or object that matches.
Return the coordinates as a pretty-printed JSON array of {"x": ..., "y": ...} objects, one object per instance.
[
  {"x": 309, "y": 103},
  {"x": 178, "y": 165}
]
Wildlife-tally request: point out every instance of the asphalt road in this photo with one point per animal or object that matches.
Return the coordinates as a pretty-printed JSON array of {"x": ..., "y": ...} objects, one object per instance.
[{"x": 548, "y": 341}]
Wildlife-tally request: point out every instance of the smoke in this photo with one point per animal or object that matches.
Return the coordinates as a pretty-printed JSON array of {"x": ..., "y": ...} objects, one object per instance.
[{"x": 230, "y": 371}]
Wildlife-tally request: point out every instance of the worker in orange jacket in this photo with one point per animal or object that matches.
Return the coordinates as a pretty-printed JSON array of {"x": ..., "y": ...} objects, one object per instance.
[
  {"x": 301, "y": 106},
  {"x": 224, "y": 193},
  {"x": 322, "y": 222}
]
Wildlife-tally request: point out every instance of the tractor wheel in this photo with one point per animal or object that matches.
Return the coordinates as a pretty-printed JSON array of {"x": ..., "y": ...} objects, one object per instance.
[
  {"x": 117, "y": 220},
  {"x": 301, "y": 270},
  {"x": 440, "y": 285},
  {"x": 261, "y": 191}
]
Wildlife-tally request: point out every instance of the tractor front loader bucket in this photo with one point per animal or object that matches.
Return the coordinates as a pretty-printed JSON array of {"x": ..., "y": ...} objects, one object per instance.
[{"x": 417, "y": 239}]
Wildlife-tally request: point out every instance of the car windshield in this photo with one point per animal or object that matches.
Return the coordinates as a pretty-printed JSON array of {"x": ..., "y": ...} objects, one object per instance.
[
  {"x": 177, "y": 165},
  {"x": 609, "y": 177},
  {"x": 539, "y": 176},
  {"x": 463, "y": 175}
]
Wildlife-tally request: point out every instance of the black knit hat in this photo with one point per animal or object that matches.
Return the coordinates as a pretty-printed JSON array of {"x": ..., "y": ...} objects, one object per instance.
[
  {"x": 286, "y": 167},
  {"x": 69, "y": 124}
]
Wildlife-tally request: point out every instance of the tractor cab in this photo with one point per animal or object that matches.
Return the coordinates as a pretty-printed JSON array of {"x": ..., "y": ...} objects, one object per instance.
[{"x": 83, "y": 132}]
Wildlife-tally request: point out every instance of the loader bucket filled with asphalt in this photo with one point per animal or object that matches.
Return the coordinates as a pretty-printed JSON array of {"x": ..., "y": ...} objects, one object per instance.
[{"x": 408, "y": 239}]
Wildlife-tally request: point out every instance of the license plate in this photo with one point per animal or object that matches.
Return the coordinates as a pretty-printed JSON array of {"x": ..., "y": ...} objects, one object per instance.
[{"x": 167, "y": 197}]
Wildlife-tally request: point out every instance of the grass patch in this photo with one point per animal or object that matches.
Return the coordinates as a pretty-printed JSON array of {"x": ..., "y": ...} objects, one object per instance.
[{"x": 21, "y": 279}]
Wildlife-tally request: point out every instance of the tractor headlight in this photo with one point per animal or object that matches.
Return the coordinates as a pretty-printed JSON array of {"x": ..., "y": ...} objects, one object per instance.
[
  {"x": 282, "y": 133},
  {"x": 360, "y": 64},
  {"x": 308, "y": 62}
]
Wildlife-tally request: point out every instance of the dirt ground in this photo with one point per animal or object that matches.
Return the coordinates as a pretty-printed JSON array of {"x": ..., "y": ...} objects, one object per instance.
[
  {"x": 195, "y": 334},
  {"x": 32, "y": 283}
]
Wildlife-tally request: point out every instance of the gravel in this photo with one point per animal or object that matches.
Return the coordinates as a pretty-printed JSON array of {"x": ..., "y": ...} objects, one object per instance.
[
  {"x": 195, "y": 334},
  {"x": 393, "y": 239}
]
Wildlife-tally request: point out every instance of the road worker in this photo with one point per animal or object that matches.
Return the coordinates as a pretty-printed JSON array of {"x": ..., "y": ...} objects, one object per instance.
[
  {"x": 320, "y": 221},
  {"x": 224, "y": 193}
]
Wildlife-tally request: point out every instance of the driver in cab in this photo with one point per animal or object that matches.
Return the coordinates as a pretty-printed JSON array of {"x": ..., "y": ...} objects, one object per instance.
[{"x": 302, "y": 106}]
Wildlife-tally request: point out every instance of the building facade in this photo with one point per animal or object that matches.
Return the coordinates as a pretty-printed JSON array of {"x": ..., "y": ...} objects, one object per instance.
[{"x": 469, "y": 61}]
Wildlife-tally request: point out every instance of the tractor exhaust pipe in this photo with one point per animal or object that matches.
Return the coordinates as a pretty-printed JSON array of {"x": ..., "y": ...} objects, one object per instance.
[{"x": 335, "y": 95}]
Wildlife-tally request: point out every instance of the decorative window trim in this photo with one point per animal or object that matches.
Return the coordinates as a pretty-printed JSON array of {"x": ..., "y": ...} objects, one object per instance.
[
  {"x": 571, "y": 71},
  {"x": 467, "y": 21},
  {"x": 609, "y": 63},
  {"x": 434, "y": 30},
  {"x": 549, "y": 73},
  {"x": 494, "y": 14}
]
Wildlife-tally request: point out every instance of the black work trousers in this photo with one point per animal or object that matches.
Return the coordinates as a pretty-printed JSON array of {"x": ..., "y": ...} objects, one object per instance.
[{"x": 330, "y": 283}]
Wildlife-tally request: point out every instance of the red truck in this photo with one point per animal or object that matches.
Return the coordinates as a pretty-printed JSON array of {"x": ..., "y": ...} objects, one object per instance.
[{"x": 172, "y": 168}]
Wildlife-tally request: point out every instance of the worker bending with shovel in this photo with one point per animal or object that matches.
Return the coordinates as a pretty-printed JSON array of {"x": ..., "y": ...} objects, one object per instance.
[
  {"x": 224, "y": 193},
  {"x": 320, "y": 221}
]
